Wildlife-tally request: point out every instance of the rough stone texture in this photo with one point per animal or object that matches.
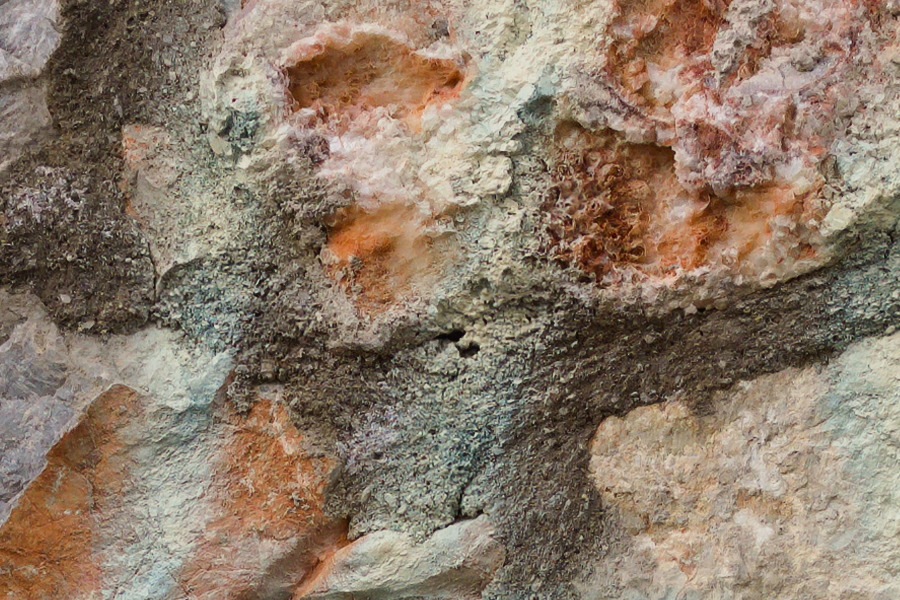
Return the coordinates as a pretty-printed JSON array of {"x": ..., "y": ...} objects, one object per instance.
[
  {"x": 785, "y": 488},
  {"x": 456, "y": 562},
  {"x": 507, "y": 299},
  {"x": 167, "y": 488},
  {"x": 29, "y": 34}
]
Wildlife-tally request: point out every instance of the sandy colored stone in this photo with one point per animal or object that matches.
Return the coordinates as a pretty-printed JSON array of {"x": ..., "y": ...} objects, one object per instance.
[
  {"x": 457, "y": 562},
  {"x": 28, "y": 30},
  {"x": 782, "y": 487}
]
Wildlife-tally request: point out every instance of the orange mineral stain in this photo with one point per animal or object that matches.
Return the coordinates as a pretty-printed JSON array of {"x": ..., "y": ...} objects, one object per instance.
[
  {"x": 661, "y": 33},
  {"x": 382, "y": 255},
  {"x": 351, "y": 74},
  {"x": 47, "y": 544},
  {"x": 727, "y": 176},
  {"x": 617, "y": 211},
  {"x": 268, "y": 528}
]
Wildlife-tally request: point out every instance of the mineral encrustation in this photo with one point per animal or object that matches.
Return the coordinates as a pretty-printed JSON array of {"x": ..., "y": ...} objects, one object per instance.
[{"x": 446, "y": 299}]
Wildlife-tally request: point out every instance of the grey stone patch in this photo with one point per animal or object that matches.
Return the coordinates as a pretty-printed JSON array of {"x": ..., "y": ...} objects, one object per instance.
[
  {"x": 83, "y": 258},
  {"x": 28, "y": 429},
  {"x": 28, "y": 36},
  {"x": 24, "y": 119},
  {"x": 29, "y": 32},
  {"x": 35, "y": 401},
  {"x": 455, "y": 563},
  {"x": 743, "y": 18}
]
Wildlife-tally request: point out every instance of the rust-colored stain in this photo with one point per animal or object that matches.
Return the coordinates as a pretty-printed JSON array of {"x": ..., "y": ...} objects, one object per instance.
[
  {"x": 268, "y": 527},
  {"x": 381, "y": 255},
  {"x": 135, "y": 149},
  {"x": 350, "y": 75},
  {"x": 621, "y": 210},
  {"x": 139, "y": 142},
  {"x": 47, "y": 544},
  {"x": 324, "y": 565},
  {"x": 679, "y": 35},
  {"x": 355, "y": 78},
  {"x": 616, "y": 206},
  {"x": 663, "y": 32},
  {"x": 605, "y": 208}
]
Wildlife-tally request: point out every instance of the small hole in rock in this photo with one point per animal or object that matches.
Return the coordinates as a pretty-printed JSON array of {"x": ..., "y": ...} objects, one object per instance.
[
  {"x": 452, "y": 336},
  {"x": 468, "y": 351}
]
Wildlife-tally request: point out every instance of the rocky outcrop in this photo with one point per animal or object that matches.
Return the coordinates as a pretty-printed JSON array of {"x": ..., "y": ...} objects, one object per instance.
[
  {"x": 508, "y": 299},
  {"x": 456, "y": 562},
  {"x": 169, "y": 492}
]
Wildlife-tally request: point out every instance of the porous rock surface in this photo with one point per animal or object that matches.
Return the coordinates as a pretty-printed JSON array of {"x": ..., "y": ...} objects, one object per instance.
[{"x": 509, "y": 299}]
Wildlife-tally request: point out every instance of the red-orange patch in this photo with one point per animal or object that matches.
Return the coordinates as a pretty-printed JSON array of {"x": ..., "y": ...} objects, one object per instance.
[
  {"x": 618, "y": 208},
  {"x": 267, "y": 493},
  {"x": 46, "y": 545},
  {"x": 349, "y": 76},
  {"x": 664, "y": 32},
  {"x": 380, "y": 255}
]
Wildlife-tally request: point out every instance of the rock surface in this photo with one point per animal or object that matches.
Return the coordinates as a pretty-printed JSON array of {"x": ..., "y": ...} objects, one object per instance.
[
  {"x": 29, "y": 34},
  {"x": 456, "y": 562},
  {"x": 511, "y": 299},
  {"x": 786, "y": 487}
]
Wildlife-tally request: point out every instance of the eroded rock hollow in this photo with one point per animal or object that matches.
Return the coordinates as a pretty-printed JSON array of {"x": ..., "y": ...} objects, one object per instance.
[{"x": 446, "y": 299}]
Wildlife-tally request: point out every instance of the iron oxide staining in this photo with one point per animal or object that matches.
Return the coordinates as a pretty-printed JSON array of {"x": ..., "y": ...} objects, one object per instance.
[
  {"x": 265, "y": 509},
  {"x": 617, "y": 205},
  {"x": 617, "y": 211},
  {"x": 48, "y": 546},
  {"x": 346, "y": 73},
  {"x": 364, "y": 90},
  {"x": 713, "y": 120},
  {"x": 380, "y": 255},
  {"x": 258, "y": 524},
  {"x": 653, "y": 35}
]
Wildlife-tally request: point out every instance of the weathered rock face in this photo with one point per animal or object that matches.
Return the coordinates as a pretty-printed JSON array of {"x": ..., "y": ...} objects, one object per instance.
[
  {"x": 29, "y": 38},
  {"x": 397, "y": 300},
  {"x": 785, "y": 487}
]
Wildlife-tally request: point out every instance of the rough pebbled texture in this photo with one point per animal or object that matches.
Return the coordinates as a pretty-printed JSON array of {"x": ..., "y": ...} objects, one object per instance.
[{"x": 448, "y": 299}]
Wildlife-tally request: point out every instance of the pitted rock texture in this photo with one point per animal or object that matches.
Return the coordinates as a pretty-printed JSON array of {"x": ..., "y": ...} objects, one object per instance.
[{"x": 507, "y": 299}]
